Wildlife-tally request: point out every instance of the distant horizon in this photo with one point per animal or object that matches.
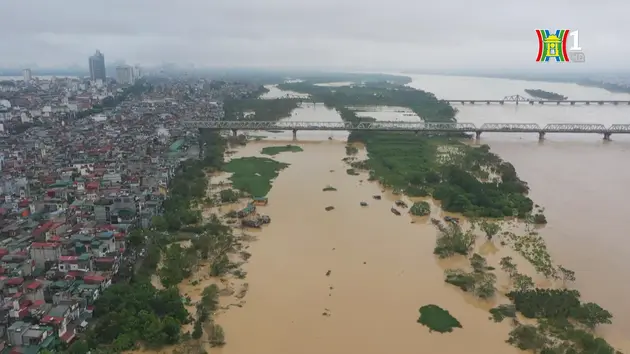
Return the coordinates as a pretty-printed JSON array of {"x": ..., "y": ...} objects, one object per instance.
[{"x": 173, "y": 68}]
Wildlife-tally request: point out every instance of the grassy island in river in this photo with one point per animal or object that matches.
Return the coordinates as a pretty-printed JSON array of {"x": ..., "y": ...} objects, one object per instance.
[{"x": 545, "y": 95}]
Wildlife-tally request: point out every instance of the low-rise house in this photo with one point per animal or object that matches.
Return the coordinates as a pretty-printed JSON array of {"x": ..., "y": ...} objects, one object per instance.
[{"x": 43, "y": 252}]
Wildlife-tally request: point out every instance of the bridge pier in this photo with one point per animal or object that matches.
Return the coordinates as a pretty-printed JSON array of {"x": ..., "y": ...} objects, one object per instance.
[
  {"x": 600, "y": 103},
  {"x": 588, "y": 103},
  {"x": 607, "y": 136},
  {"x": 294, "y": 134},
  {"x": 531, "y": 103},
  {"x": 615, "y": 103},
  {"x": 541, "y": 135},
  {"x": 234, "y": 132},
  {"x": 572, "y": 103},
  {"x": 478, "y": 134},
  {"x": 558, "y": 103}
]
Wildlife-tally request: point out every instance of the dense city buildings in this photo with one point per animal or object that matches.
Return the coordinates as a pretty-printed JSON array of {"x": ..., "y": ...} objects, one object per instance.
[
  {"x": 97, "y": 66},
  {"x": 83, "y": 165}
]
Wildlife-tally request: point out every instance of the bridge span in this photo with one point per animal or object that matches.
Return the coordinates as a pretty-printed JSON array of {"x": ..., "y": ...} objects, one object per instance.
[
  {"x": 516, "y": 99},
  {"x": 417, "y": 127}
]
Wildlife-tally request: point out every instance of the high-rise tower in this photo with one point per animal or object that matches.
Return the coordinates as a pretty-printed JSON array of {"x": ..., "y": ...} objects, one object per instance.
[{"x": 97, "y": 66}]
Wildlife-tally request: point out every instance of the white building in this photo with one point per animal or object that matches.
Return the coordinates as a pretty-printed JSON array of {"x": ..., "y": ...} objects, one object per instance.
[
  {"x": 137, "y": 72},
  {"x": 26, "y": 73},
  {"x": 124, "y": 75}
]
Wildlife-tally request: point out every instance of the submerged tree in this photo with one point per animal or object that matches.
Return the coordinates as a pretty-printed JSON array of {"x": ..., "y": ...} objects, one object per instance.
[
  {"x": 507, "y": 265},
  {"x": 566, "y": 274},
  {"x": 452, "y": 240},
  {"x": 490, "y": 228}
]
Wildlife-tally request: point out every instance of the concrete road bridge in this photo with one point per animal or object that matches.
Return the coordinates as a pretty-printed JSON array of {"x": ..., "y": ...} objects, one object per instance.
[
  {"x": 417, "y": 127},
  {"x": 516, "y": 99}
]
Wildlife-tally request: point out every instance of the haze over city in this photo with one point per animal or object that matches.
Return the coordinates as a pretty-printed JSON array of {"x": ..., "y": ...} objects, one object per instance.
[
  {"x": 400, "y": 35},
  {"x": 272, "y": 177}
]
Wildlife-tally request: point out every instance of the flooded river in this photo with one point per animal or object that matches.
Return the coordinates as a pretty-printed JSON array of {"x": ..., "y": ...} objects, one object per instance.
[{"x": 381, "y": 266}]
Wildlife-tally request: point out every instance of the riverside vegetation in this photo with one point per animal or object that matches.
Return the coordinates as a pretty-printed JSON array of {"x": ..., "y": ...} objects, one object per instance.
[
  {"x": 135, "y": 313},
  {"x": 478, "y": 184}
]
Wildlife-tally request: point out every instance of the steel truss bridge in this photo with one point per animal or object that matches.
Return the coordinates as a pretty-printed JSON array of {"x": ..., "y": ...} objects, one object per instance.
[
  {"x": 520, "y": 99},
  {"x": 417, "y": 127}
]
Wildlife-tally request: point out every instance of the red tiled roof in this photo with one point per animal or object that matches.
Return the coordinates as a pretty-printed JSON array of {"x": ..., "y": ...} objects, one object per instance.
[
  {"x": 68, "y": 259},
  {"x": 51, "y": 319},
  {"x": 15, "y": 281},
  {"x": 105, "y": 259},
  {"x": 68, "y": 336},
  {"x": 34, "y": 285},
  {"x": 94, "y": 279},
  {"x": 42, "y": 228},
  {"x": 44, "y": 245}
]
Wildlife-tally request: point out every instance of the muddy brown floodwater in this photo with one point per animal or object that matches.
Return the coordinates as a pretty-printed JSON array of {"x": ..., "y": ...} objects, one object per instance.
[{"x": 382, "y": 270}]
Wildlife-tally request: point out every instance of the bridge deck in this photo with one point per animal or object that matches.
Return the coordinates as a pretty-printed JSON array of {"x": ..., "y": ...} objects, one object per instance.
[{"x": 412, "y": 126}]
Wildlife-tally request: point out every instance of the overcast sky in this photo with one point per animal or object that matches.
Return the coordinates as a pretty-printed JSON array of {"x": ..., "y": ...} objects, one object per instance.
[{"x": 361, "y": 34}]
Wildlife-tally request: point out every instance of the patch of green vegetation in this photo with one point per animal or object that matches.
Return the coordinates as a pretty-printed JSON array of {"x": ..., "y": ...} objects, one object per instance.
[
  {"x": 480, "y": 282},
  {"x": 453, "y": 240},
  {"x": 351, "y": 150},
  {"x": 329, "y": 189},
  {"x": 275, "y": 150},
  {"x": 263, "y": 109},
  {"x": 352, "y": 172},
  {"x": 502, "y": 311},
  {"x": 558, "y": 337},
  {"x": 253, "y": 175},
  {"x": 449, "y": 171},
  {"x": 422, "y": 103},
  {"x": 420, "y": 209},
  {"x": 229, "y": 196},
  {"x": 437, "y": 319},
  {"x": 533, "y": 248},
  {"x": 564, "y": 322}
]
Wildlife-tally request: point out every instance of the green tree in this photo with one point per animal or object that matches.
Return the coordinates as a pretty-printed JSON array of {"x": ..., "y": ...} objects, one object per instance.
[
  {"x": 159, "y": 223},
  {"x": 135, "y": 238},
  {"x": 490, "y": 228},
  {"x": 478, "y": 263},
  {"x": 567, "y": 274},
  {"x": 522, "y": 282},
  {"x": 210, "y": 297},
  {"x": 79, "y": 347},
  {"x": 591, "y": 315},
  {"x": 197, "y": 330},
  {"x": 507, "y": 265},
  {"x": 527, "y": 337},
  {"x": 218, "y": 336}
]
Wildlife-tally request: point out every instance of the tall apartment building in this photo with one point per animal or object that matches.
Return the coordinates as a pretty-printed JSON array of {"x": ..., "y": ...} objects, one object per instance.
[
  {"x": 97, "y": 66},
  {"x": 26, "y": 73},
  {"x": 137, "y": 72},
  {"x": 124, "y": 75}
]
